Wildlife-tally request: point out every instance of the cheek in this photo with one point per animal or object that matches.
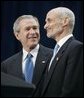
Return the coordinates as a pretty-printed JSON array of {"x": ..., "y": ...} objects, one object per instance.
[
  {"x": 32, "y": 40},
  {"x": 22, "y": 38},
  {"x": 53, "y": 28}
]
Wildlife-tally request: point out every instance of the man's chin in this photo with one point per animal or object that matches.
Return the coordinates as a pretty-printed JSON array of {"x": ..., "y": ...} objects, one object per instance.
[
  {"x": 49, "y": 36},
  {"x": 33, "y": 46}
]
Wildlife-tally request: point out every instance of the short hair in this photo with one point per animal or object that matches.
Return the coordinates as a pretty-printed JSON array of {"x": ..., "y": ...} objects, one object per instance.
[
  {"x": 63, "y": 11},
  {"x": 16, "y": 26}
]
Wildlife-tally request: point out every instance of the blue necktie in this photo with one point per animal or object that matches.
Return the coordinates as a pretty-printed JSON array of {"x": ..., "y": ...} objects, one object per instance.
[
  {"x": 54, "y": 54},
  {"x": 29, "y": 69}
]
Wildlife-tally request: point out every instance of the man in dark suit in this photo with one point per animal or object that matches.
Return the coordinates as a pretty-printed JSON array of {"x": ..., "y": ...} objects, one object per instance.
[
  {"x": 26, "y": 30},
  {"x": 64, "y": 75}
]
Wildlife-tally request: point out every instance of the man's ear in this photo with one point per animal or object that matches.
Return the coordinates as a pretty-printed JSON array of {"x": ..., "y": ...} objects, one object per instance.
[
  {"x": 66, "y": 21},
  {"x": 16, "y": 35}
]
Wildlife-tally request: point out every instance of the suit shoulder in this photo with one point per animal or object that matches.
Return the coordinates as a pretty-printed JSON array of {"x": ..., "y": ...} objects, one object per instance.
[
  {"x": 76, "y": 43},
  {"x": 12, "y": 58},
  {"x": 46, "y": 49}
]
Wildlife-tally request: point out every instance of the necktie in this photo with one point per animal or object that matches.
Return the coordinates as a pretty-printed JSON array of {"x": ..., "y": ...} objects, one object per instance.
[
  {"x": 54, "y": 54},
  {"x": 29, "y": 69}
]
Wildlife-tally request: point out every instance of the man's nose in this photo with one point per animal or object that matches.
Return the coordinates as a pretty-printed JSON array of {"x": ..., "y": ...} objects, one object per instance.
[
  {"x": 45, "y": 26},
  {"x": 32, "y": 31}
]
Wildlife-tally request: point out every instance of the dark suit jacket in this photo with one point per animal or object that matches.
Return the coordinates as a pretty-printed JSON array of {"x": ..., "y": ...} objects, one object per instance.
[
  {"x": 13, "y": 65},
  {"x": 65, "y": 77}
]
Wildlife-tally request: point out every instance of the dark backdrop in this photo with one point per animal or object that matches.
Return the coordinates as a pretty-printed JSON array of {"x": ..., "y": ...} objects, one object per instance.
[{"x": 10, "y": 10}]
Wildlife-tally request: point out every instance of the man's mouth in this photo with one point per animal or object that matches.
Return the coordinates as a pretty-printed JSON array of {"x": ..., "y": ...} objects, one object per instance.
[{"x": 32, "y": 37}]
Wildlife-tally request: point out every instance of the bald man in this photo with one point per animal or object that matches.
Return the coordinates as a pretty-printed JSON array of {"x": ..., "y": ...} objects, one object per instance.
[{"x": 64, "y": 75}]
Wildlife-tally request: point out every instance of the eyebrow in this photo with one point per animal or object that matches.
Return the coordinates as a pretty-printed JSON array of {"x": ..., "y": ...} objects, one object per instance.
[
  {"x": 31, "y": 26},
  {"x": 48, "y": 19},
  {"x": 28, "y": 27}
]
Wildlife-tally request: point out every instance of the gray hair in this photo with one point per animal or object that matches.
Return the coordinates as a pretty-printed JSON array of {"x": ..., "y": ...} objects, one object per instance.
[
  {"x": 63, "y": 11},
  {"x": 16, "y": 26}
]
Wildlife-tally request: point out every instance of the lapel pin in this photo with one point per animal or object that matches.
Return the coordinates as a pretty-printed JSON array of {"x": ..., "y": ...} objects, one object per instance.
[
  {"x": 57, "y": 59},
  {"x": 43, "y": 61}
]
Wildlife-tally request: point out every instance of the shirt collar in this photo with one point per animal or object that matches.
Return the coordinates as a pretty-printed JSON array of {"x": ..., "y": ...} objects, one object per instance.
[
  {"x": 33, "y": 52},
  {"x": 63, "y": 40}
]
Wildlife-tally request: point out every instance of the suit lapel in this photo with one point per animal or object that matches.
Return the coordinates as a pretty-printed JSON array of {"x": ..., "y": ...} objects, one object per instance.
[
  {"x": 49, "y": 74},
  {"x": 40, "y": 65}
]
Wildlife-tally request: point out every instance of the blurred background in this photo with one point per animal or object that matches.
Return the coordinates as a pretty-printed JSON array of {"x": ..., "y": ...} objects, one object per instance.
[{"x": 11, "y": 10}]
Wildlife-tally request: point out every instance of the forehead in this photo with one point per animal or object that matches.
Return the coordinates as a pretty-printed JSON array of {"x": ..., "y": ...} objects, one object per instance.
[
  {"x": 51, "y": 15},
  {"x": 28, "y": 22}
]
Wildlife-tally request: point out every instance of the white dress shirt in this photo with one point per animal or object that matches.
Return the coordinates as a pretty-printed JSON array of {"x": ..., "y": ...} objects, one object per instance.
[{"x": 34, "y": 52}]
